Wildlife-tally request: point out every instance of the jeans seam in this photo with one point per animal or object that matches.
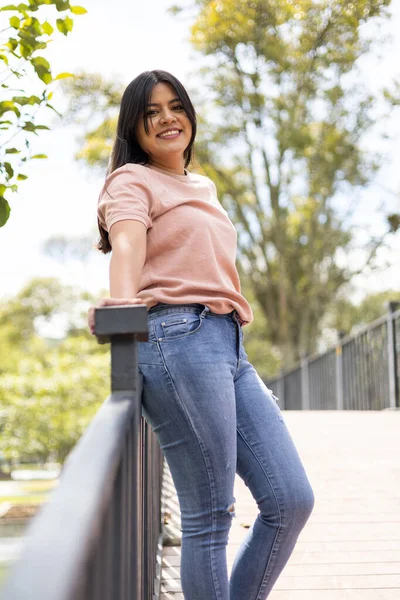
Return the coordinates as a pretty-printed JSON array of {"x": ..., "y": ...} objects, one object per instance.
[
  {"x": 277, "y": 536},
  {"x": 210, "y": 478}
]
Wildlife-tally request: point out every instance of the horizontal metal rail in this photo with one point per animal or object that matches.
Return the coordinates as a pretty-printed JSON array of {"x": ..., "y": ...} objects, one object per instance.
[{"x": 361, "y": 372}]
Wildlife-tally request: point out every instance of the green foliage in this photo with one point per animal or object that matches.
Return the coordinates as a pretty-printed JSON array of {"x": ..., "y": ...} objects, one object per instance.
[
  {"x": 94, "y": 103},
  {"x": 42, "y": 297},
  {"x": 50, "y": 401},
  {"x": 49, "y": 389},
  {"x": 282, "y": 139},
  {"x": 21, "y": 54},
  {"x": 345, "y": 316}
]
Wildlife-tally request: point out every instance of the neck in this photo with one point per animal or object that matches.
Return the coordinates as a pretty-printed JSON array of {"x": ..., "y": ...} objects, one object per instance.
[{"x": 173, "y": 165}]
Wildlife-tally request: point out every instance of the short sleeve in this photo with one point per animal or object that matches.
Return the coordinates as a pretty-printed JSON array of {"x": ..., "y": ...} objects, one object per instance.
[{"x": 125, "y": 195}]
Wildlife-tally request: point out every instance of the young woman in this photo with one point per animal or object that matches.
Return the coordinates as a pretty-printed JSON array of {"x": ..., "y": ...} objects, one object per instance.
[{"x": 174, "y": 249}]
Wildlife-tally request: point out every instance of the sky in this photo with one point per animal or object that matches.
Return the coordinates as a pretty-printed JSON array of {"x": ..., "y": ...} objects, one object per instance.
[{"x": 123, "y": 38}]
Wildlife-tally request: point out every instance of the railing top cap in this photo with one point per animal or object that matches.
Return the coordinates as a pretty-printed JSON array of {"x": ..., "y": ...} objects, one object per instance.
[{"x": 121, "y": 320}]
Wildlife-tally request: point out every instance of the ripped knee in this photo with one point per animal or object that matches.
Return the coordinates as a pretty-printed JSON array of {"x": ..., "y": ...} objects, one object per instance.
[{"x": 230, "y": 509}]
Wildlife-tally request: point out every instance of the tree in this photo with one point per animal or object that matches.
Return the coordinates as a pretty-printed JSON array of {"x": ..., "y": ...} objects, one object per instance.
[
  {"x": 393, "y": 97},
  {"x": 282, "y": 121},
  {"x": 94, "y": 103},
  {"x": 31, "y": 31},
  {"x": 347, "y": 317},
  {"x": 43, "y": 298},
  {"x": 285, "y": 125},
  {"x": 48, "y": 403},
  {"x": 49, "y": 389}
]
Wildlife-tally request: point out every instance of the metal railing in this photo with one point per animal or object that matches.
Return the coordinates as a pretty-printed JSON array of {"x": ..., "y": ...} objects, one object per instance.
[
  {"x": 361, "y": 373},
  {"x": 98, "y": 538}
]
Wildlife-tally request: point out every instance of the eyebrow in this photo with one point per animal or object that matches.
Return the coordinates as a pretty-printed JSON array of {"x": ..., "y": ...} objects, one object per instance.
[{"x": 170, "y": 102}]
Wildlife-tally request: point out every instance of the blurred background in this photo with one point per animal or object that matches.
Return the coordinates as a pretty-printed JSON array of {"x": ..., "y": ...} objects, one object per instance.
[{"x": 299, "y": 122}]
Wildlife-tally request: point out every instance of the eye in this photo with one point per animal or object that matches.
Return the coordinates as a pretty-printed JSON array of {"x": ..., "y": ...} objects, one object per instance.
[
  {"x": 151, "y": 113},
  {"x": 178, "y": 107}
]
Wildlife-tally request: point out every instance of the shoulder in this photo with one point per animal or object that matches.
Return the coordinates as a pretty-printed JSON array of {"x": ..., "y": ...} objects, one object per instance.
[
  {"x": 202, "y": 180},
  {"x": 128, "y": 179},
  {"x": 129, "y": 172}
]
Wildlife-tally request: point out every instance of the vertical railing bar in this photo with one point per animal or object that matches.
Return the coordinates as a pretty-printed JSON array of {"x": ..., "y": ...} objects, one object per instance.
[
  {"x": 305, "y": 389},
  {"x": 391, "y": 352},
  {"x": 108, "y": 551},
  {"x": 128, "y": 525}
]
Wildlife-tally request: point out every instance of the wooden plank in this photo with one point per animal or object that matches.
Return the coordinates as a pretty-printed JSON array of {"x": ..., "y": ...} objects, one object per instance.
[{"x": 350, "y": 548}]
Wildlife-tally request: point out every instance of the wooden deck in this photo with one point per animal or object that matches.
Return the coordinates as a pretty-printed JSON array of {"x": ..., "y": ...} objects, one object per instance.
[{"x": 350, "y": 547}]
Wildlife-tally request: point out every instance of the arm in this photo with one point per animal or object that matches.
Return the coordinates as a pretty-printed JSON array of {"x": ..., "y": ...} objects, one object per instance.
[{"x": 128, "y": 240}]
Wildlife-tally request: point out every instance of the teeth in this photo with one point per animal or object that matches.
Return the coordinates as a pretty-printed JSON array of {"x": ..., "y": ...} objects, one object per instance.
[{"x": 169, "y": 133}]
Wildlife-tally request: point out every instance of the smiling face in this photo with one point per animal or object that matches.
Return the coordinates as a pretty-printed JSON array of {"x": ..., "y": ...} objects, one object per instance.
[{"x": 169, "y": 129}]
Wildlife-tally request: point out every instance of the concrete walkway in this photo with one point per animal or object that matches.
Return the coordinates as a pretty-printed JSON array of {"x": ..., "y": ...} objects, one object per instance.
[{"x": 350, "y": 548}]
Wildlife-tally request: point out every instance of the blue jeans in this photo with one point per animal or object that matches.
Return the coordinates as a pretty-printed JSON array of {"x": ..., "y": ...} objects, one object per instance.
[{"x": 215, "y": 417}]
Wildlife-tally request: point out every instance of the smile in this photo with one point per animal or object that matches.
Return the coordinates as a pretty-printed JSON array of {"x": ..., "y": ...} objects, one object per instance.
[{"x": 171, "y": 133}]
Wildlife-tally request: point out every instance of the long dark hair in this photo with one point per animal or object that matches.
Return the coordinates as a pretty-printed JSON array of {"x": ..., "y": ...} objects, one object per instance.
[{"x": 134, "y": 103}]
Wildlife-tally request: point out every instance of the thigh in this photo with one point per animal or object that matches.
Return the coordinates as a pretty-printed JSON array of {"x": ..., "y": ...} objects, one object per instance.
[
  {"x": 189, "y": 399},
  {"x": 267, "y": 460}
]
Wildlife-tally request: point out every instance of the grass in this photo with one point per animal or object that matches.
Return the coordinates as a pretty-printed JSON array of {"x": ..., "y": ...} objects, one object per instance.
[
  {"x": 3, "y": 572},
  {"x": 39, "y": 486},
  {"x": 36, "y": 499}
]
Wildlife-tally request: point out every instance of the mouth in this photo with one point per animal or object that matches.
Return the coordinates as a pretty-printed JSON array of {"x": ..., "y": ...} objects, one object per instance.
[{"x": 170, "y": 134}]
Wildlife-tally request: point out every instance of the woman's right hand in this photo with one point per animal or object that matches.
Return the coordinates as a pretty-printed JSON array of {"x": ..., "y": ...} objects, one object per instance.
[{"x": 109, "y": 302}]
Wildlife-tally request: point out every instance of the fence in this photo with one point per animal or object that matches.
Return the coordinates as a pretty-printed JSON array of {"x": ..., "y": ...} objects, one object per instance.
[
  {"x": 98, "y": 538},
  {"x": 361, "y": 373}
]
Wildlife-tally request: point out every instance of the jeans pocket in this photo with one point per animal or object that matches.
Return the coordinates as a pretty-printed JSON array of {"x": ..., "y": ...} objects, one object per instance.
[{"x": 177, "y": 326}]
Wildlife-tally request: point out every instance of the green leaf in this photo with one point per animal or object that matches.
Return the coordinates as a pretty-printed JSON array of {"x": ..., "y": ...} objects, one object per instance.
[
  {"x": 42, "y": 68},
  {"x": 9, "y": 170},
  {"x": 4, "y": 58},
  {"x": 61, "y": 26},
  {"x": 63, "y": 76},
  {"x": 15, "y": 22},
  {"x": 12, "y": 44},
  {"x": 29, "y": 126},
  {"x": 21, "y": 177},
  {"x": 24, "y": 100},
  {"x": 54, "y": 109},
  {"x": 62, "y": 5},
  {"x": 12, "y": 151},
  {"x": 9, "y": 7},
  {"x": 4, "y": 211},
  {"x": 39, "y": 156},
  {"x": 42, "y": 127},
  {"x": 7, "y": 105},
  {"x": 47, "y": 28},
  {"x": 78, "y": 10},
  {"x": 69, "y": 23},
  {"x": 65, "y": 25},
  {"x": 40, "y": 60}
]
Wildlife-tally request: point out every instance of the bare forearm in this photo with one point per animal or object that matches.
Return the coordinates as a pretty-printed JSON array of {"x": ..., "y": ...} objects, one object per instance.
[
  {"x": 126, "y": 266},
  {"x": 125, "y": 273},
  {"x": 128, "y": 258}
]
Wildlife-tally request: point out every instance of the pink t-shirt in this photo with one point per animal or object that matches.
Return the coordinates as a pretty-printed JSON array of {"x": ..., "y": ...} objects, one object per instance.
[{"x": 191, "y": 242}]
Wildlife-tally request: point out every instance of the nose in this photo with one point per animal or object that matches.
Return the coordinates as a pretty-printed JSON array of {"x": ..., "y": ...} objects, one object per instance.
[{"x": 167, "y": 116}]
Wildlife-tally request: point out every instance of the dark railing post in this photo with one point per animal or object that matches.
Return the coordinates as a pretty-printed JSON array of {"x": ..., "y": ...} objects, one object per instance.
[
  {"x": 115, "y": 324},
  {"x": 281, "y": 388},
  {"x": 339, "y": 371},
  {"x": 305, "y": 384},
  {"x": 392, "y": 363}
]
